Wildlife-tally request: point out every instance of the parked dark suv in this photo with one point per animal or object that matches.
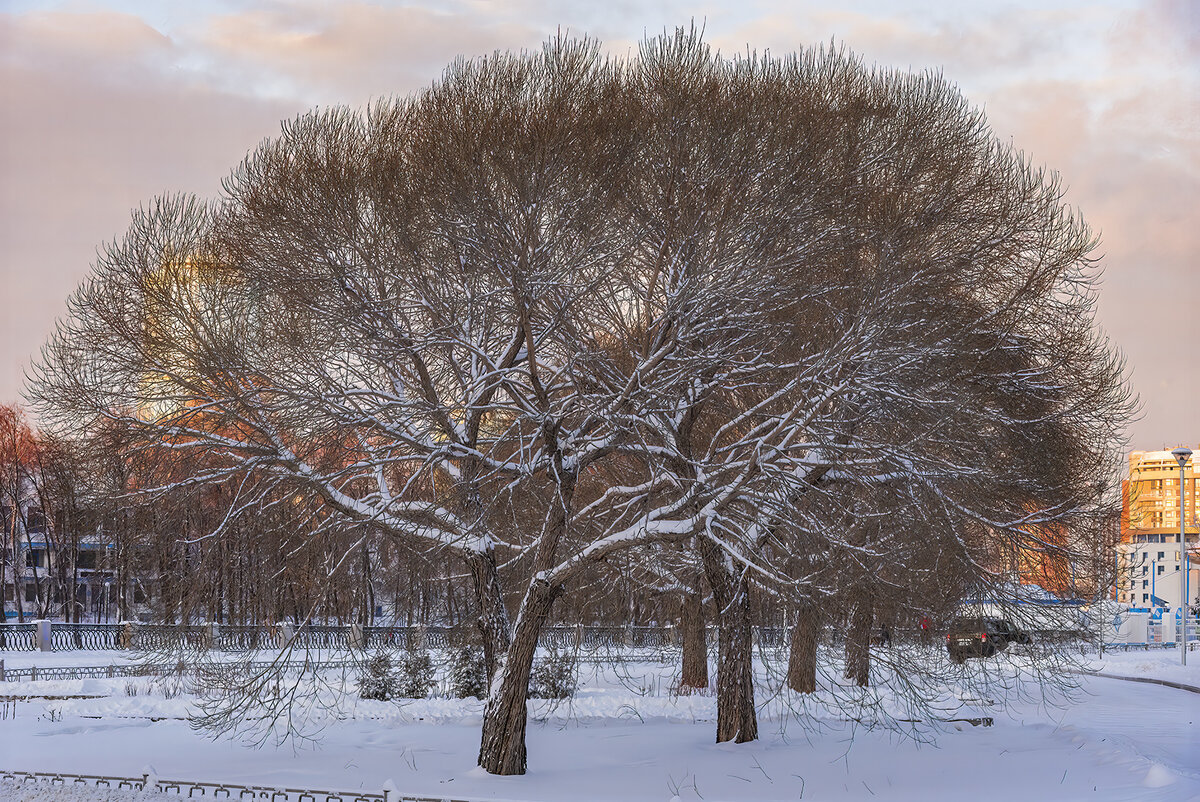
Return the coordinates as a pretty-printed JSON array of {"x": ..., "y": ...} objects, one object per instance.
[{"x": 981, "y": 637}]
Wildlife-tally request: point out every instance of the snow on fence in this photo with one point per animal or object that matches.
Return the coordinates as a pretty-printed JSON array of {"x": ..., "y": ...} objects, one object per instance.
[
  {"x": 210, "y": 790},
  {"x": 161, "y": 669}
]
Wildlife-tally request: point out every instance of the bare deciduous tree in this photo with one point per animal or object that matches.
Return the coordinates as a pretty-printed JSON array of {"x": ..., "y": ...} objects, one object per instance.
[{"x": 559, "y": 309}]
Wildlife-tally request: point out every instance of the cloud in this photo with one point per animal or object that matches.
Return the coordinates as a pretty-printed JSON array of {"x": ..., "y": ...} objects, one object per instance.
[
  {"x": 97, "y": 117},
  {"x": 352, "y": 51},
  {"x": 101, "y": 110}
]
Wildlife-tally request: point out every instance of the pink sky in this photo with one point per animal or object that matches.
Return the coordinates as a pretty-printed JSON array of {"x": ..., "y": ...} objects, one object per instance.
[{"x": 105, "y": 104}]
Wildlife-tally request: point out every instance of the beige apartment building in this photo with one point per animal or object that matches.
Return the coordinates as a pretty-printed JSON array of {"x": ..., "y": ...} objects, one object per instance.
[{"x": 1148, "y": 556}]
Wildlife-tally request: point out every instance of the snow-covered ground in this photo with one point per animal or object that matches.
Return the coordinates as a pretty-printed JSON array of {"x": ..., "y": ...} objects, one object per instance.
[{"x": 625, "y": 737}]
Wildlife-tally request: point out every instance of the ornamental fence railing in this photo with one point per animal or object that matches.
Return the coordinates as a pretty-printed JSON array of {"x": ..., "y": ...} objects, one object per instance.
[
  {"x": 60, "y": 637},
  {"x": 112, "y": 671},
  {"x": 195, "y": 789}
]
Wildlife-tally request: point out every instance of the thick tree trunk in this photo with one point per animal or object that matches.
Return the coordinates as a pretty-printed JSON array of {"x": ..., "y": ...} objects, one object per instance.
[
  {"x": 802, "y": 657},
  {"x": 502, "y": 746},
  {"x": 493, "y": 621},
  {"x": 695, "y": 643},
  {"x": 858, "y": 644},
  {"x": 736, "y": 717}
]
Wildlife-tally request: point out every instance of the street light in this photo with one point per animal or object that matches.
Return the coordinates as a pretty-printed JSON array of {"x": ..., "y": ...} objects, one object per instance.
[{"x": 1181, "y": 456}]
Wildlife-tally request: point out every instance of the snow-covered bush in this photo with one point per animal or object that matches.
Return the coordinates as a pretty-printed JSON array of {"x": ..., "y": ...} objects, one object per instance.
[
  {"x": 415, "y": 675},
  {"x": 468, "y": 673},
  {"x": 378, "y": 680},
  {"x": 554, "y": 677}
]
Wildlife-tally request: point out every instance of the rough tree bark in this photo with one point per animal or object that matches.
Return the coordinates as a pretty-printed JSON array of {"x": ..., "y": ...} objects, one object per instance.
[
  {"x": 736, "y": 717},
  {"x": 802, "y": 657},
  {"x": 493, "y": 615},
  {"x": 858, "y": 644},
  {"x": 502, "y": 747},
  {"x": 694, "y": 673}
]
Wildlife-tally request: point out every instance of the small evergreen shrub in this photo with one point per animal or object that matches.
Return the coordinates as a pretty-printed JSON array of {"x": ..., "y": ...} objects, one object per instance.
[
  {"x": 378, "y": 680},
  {"x": 468, "y": 673},
  {"x": 554, "y": 677},
  {"x": 415, "y": 675}
]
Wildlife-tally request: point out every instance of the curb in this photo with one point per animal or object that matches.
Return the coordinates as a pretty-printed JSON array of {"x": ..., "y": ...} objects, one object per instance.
[{"x": 1152, "y": 681}]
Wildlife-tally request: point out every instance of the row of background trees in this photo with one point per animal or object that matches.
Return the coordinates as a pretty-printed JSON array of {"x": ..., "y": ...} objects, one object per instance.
[
  {"x": 77, "y": 504},
  {"x": 797, "y": 336}
]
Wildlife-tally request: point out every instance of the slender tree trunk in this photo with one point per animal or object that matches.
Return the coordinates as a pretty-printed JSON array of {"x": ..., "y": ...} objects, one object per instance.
[
  {"x": 17, "y": 568},
  {"x": 858, "y": 643},
  {"x": 736, "y": 717},
  {"x": 695, "y": 643},
  {"x": 368, "y": 587},
  {"x": 37, "y": 582},
  {"x": 802, "y": 657},
  {"x": 502, "y": 747}
]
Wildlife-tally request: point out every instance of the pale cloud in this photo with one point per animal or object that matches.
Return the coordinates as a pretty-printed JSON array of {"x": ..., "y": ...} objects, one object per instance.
[
  {"x": 96, "y": 117},
  {"x": 100, "y": 110},
  {"x": 350, "y": 52},
  {"x": 109, "y": 41}
]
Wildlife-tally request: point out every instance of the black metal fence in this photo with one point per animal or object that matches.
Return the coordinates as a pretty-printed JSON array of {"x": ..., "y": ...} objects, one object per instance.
[
  {"x": 194, "y": 789},
  {"x": 166, "y": 669},
  {"x": 18, "y": 638},
  {"x": 231, "y": 638},
  {"x": 85, "y": 637}
]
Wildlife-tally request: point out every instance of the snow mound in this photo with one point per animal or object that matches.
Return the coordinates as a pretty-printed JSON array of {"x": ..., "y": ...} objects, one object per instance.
[{"x": 1158, "y": 776}]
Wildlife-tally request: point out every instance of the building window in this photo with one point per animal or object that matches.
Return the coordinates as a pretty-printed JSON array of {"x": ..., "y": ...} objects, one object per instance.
[
  {"x": 1145, "y": 568},
  {"x": 1160, "y": 569},
  {"x": 1145, "y": 597},
  {"x": 1145, "y": 583},
  {"x": 1162, "y": 554}
]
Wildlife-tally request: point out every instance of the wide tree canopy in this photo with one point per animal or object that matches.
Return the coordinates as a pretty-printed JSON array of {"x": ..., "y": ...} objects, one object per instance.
[{"x": 803, "y": 322}]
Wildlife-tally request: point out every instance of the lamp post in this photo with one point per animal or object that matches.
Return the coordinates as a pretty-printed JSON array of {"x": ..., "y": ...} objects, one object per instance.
[{"x": 1181, "y": 456}]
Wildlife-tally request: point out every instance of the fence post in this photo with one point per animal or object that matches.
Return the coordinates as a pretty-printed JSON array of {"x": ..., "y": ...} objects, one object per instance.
[
  {"x": 44, "y": 635},
  {"x": 214, "y": 635},
  {"x": 356, "y": 637},
  {"x": 286, "y": 633},
  {"x": 126, "y": 637},
  {"x": 1, "y": 669}
]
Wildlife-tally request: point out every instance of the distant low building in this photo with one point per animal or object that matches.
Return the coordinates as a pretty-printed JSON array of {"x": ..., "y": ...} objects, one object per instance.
[{"x": 1148, "y": 555}]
